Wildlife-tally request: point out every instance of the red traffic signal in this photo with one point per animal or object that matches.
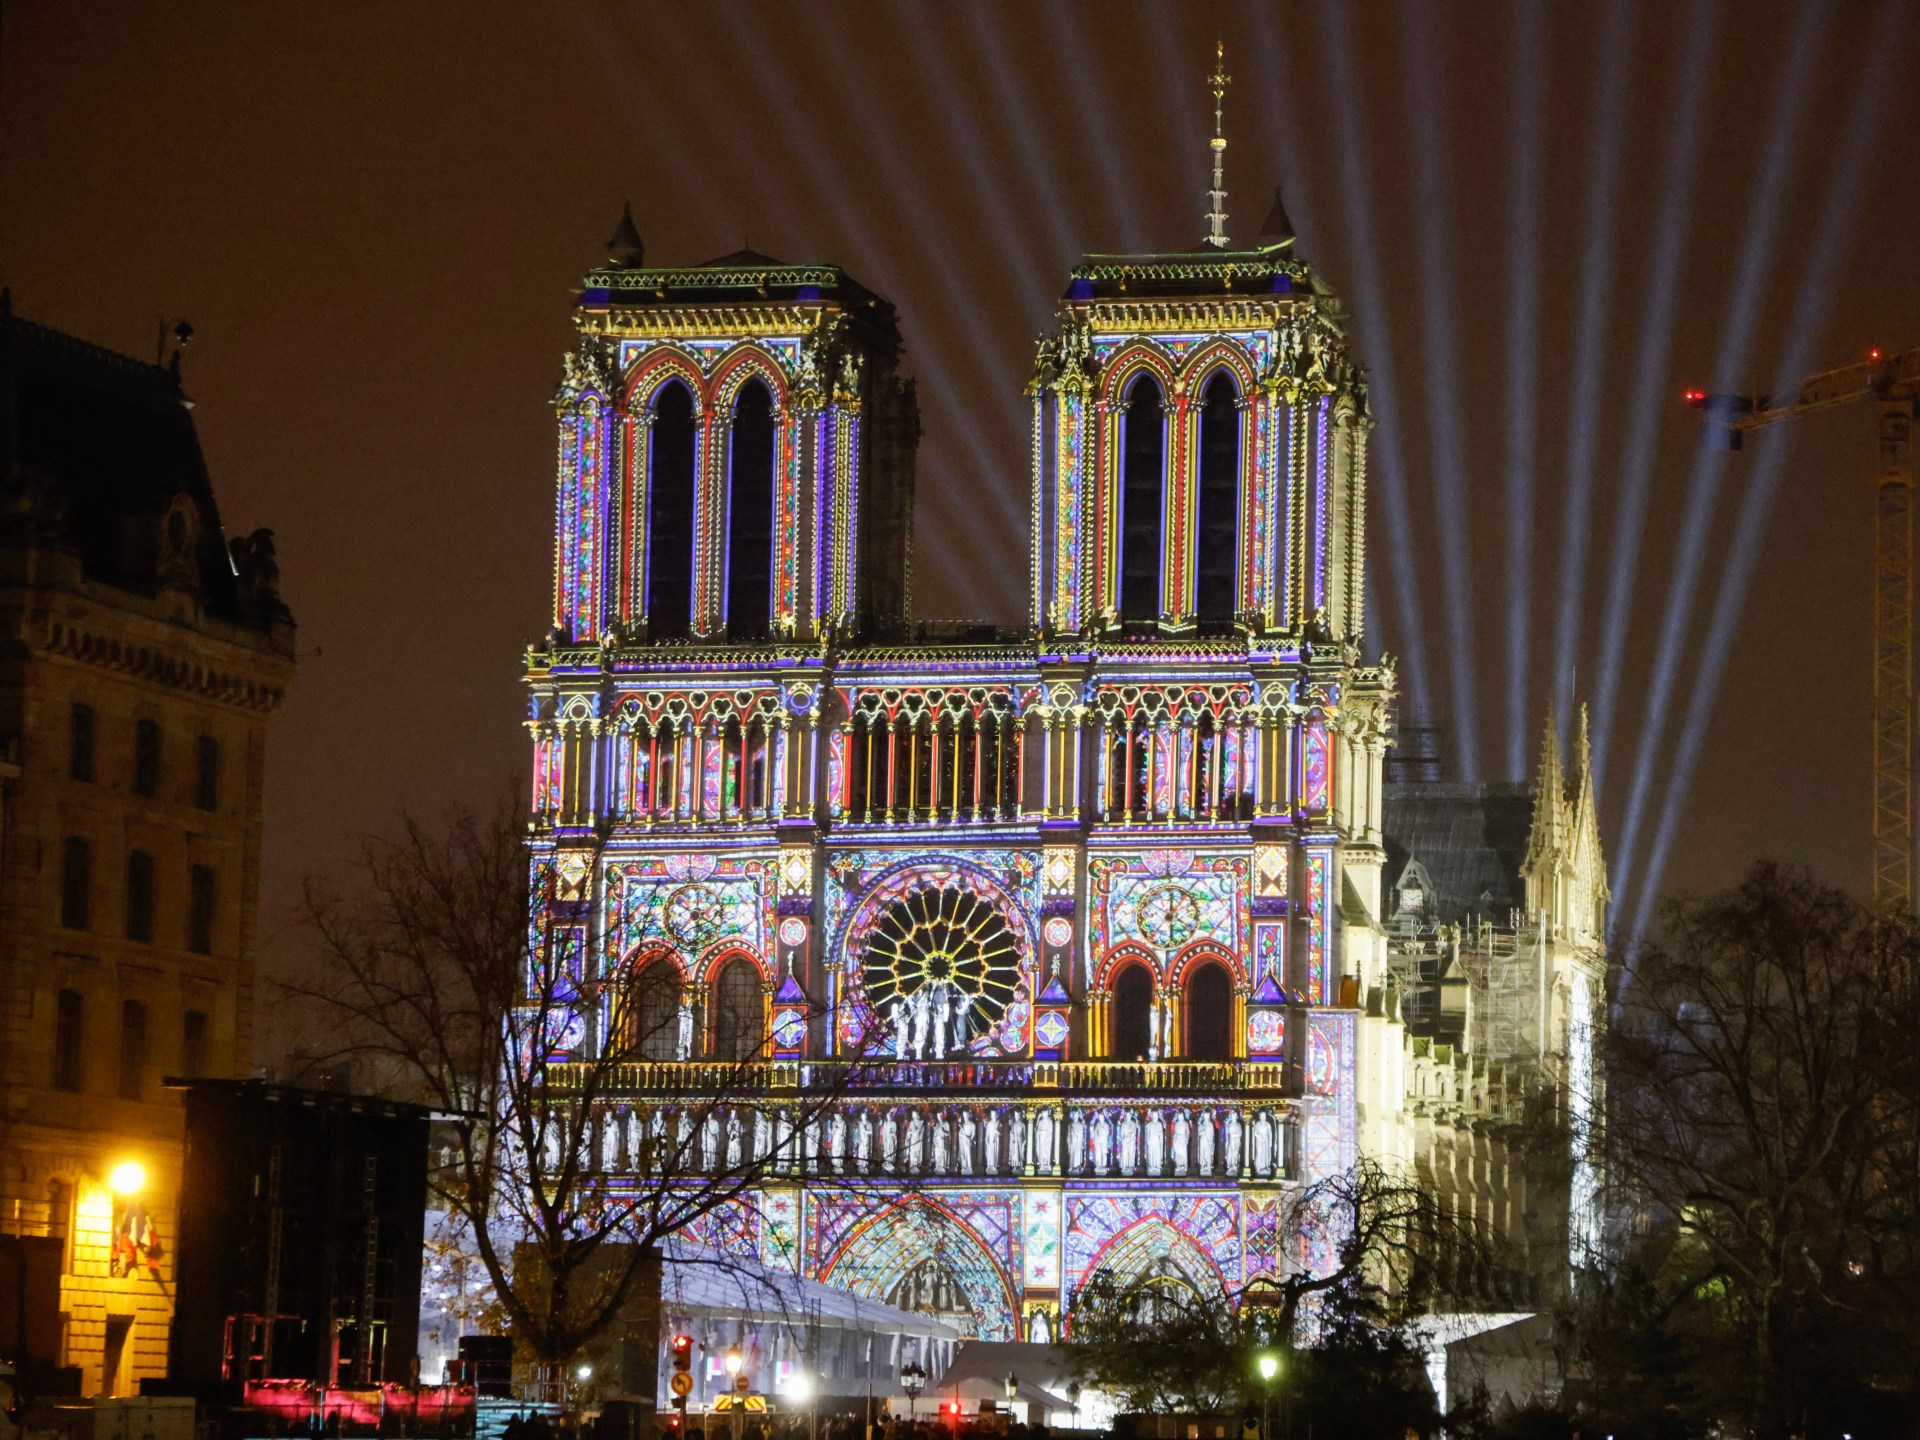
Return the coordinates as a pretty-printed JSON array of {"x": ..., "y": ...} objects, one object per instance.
[{"x": 683, "y": 1352}]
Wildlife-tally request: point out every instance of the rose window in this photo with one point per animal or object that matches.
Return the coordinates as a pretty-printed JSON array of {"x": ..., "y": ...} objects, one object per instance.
[{"x": 940, "y": 966}]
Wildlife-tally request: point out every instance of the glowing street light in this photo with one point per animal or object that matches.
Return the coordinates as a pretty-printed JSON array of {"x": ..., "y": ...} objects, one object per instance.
[
  {"x": 735, "y": 1360},
  {"x": 585, "y": 1372},
  {"x": 129, "y": 1177},
  {"x": 1269, "y": 1367}
]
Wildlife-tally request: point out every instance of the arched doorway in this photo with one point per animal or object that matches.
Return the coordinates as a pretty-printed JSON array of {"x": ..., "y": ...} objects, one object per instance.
[
  {"x": 919, "y": 1257},
  {"x": 1132, "y": 1012},
  {"x": 1208, "y": 1002}
]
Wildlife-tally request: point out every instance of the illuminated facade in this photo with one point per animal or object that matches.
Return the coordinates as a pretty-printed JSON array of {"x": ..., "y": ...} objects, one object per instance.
[
  {"x": 147, "y": 655},
  {"x": 1085, "y": 920}
]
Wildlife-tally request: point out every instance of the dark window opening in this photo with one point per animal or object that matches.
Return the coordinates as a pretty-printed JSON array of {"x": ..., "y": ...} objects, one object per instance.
[
  {"x": 1133, "y": 1013},
  {"x": 737, "y": 1005},
  {"x": 653, "y": 1012},
  {"x": 140, "y": 896},
  {"x": 133, "y": 1048},
  {"x": 1141, "y": 502},
  {"x": 750, "y": 517},
  {"x": 69, "y": 1018},
  {"x": 146, "y": 757},
  {"x": 200, "y": 898},
  {"x": 1218, "y": 547},
  {"x": 76, "y": 883},
  {"x": 670, "y": 513},
  {"x": 193, "y": 1044},
  {"x": 1209, "y": 1005},
  {"x": 80, "y": 743},
  {"x": 206, "y": 773}
]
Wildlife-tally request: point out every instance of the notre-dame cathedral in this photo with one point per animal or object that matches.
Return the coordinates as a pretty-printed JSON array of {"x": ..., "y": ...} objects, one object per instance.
[{"x": 1116, "y": 918}]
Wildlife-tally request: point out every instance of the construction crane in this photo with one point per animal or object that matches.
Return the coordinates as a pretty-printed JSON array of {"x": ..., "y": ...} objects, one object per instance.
[{"x": 1892, "y": 382}]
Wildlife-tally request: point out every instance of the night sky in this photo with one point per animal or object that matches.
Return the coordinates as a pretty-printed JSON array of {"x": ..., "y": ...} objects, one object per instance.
[{"x": 374, "y": 216}]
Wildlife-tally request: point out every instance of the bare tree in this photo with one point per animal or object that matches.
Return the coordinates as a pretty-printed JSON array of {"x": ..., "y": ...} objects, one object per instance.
[
  {"x": 1762, "y": 1106},
  {"x": 567, "y": 1152}
]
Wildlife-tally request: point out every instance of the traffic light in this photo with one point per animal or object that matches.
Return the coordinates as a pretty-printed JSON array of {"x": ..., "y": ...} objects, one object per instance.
[
  {"x": 681, "y": 1381},
  {"x": 683, "y": 1353}
]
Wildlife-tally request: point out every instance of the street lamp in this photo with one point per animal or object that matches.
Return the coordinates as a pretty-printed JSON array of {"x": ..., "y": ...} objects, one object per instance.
[
  {"x": 734, "y": 1362},
  {"x": 1269, "y": 1364},
  {"x": 129, "y": 1177},
  {"x": 912, "y": 1380},
  {"x": 1013, "y": 1392}
]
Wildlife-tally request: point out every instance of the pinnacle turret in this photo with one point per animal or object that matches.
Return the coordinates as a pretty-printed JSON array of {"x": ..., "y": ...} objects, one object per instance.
[
  {"x": 625, "y": 248},
  {"x": 1277, "y": 228}
]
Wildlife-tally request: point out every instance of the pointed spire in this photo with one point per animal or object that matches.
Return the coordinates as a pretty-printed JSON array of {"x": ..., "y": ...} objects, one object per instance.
[
  {"x": 1217, "y": 216},
  {"x": 1277, "y": 228},
  {"x": 1547, "y": 841},
  {"x": 625, "y": 248}
]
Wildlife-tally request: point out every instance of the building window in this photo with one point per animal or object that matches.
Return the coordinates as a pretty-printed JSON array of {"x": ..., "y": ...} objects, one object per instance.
[
  {"x": 750, "y": 516},
  {"x": 200, "y": 893},
  {"x": 140, "y": 896},
  {"x": 1133, "y": 1013},
  {"x": 133, "y": 1048},
  {"x": 652, "y": 1018},
  {"x": 1216, "y": 556},
  {"x": 206, "y": 773},
  {"x": 193, "y": 1044},
  {"x": 670, "y": 490},
  {"x": 146, "y": 757},
  {"x": 76, "y": 883},
  {"x": 80, "y": 743},
  {"x": 1209, "y": 1007},
  {"x": 738, "y": 1025},
  {"x": 68, "y": 1026},
  {"x": 1142, "y": 503}
]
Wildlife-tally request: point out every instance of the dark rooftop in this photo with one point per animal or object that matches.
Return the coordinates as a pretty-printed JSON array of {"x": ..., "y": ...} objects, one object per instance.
[
  {"x": 100, "y": 449},
  {"x": 1470, "y": 839}
]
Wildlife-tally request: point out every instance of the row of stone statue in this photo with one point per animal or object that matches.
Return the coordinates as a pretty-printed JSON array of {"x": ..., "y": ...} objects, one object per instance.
[{"x": 1127, "y": 1141}]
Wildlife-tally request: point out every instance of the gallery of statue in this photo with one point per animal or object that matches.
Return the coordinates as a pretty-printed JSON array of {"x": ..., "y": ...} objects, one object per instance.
[{"x": 1102, "y": 911}]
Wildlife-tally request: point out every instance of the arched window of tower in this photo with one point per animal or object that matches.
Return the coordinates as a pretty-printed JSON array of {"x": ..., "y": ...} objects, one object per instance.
[
  {"x": 750, "y": 515},
  {"x": 1209, "y": 1007},
  {"x": 670, "y": 513},
  {"x": 651, "y": 1024},
  {"x": 1132, "y": 1012},
  {"x": 1142, "y": 500},
  {"x": 1218, "y": 547},
  {"x": 736, "y": 1010}
]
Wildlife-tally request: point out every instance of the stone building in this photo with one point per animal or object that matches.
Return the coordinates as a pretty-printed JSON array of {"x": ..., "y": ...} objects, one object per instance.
[
  {"x": 1088, "y": 927},
  {"x": 141, "y": 654}
]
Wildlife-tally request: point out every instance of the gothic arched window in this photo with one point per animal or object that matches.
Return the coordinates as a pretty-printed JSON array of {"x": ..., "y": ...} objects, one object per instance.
[
  {"x": 1142, "y": 504},
  {"x": 1132, "y": 1012},
  {"x": 652, "y": 1020},
  {"x": 750, "y": 516},
  {"x": 670, "y": 512},
  {"x": 1209, "y": 1007},
  {"x": 1217, "y": 546},
  {"x": 737, "y": 1016}
]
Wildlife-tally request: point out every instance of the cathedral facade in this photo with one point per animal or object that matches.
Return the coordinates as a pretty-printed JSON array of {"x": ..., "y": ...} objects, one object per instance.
[{"x": 1087, "y": 923}]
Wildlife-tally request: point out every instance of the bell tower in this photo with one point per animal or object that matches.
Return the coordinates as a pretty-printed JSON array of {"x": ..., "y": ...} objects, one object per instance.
[
  {"x": 1199, "y": 442},
  {"x": 735, "y": 455}
]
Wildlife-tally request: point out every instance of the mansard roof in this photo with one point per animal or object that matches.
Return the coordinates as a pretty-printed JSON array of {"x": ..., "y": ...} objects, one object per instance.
[
  {"x": 1266, "y": 269},
  {"x": 1471, "y": 840},
  {"x": 743, "y": 277},
  {"x": 96, "y": 448}
]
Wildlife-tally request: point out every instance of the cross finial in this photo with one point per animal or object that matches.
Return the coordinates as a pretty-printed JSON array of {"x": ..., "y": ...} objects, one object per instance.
[{"x": 1217, "y": 215}]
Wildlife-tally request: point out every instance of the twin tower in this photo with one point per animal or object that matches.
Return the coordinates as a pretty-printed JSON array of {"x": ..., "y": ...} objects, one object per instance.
[{"x": 737, "y": 448}]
